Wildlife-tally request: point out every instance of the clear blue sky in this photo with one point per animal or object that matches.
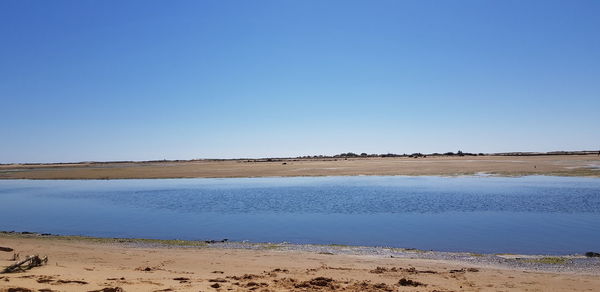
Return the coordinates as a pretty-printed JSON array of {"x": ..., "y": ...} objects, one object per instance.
[{"x": 139, "y": 80}]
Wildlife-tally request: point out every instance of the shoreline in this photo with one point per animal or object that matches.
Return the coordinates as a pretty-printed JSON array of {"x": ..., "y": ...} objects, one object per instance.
[
  {"x": 553, "y": 165},
  {"x": 579, "y": 263},
  {"x": 86, "y": 263},
  {"x": 100, "y": 264},
  {"x": 458, "y": 175}
]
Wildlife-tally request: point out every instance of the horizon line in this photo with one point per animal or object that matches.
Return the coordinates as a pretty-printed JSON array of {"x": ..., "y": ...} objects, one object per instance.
[{"x": 321, "y": 156}]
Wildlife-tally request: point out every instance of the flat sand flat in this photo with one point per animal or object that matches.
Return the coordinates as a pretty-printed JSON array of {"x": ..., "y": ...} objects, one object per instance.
[{"x": 562, "y": 165}]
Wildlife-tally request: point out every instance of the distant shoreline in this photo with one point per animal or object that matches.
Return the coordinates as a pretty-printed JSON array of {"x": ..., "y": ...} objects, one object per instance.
[
  {"x": 317, "y": 157},
  {"x": 584, "y": 165}
]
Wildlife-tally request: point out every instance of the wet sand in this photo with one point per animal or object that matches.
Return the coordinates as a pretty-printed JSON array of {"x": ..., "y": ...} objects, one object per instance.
[
  {"x": 563, "y": 165},
  {"x": 84, "y": 265}
]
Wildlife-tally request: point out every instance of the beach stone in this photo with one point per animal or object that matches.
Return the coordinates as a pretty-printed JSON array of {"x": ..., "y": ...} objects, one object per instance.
[{"x": 591, "y": 254}]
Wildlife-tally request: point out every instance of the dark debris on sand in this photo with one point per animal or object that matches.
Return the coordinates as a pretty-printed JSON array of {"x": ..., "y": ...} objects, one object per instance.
[
  {"x": 408, "y": 282},
  {"x": 109, "y": 289}
]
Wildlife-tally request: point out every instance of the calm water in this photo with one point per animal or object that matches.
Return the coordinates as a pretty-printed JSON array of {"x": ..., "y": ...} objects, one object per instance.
[{"x": 554, "y": 215}]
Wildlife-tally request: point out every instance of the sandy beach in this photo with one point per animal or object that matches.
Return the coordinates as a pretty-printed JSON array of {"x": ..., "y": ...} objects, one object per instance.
[
  {"x": 563, "y": 165},
  {"x": 97, "y": 265},
  {"x": 77, "y": 264}
]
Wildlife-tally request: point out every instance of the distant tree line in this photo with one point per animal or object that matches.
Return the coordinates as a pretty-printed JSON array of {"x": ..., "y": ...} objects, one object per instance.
[{"x": 413, "y": 155}]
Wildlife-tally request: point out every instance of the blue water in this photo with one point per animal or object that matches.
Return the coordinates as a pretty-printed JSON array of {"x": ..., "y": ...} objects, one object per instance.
[{"x": 531, "y": 215}]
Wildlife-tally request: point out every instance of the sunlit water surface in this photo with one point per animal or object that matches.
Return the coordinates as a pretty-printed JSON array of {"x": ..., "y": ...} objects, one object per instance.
[{"x": 532, "y": 215}]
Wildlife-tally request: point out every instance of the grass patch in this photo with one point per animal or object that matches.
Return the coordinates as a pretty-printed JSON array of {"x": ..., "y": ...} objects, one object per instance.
[
  {"x": 413, "y": 250},
  {"x": 168, "y": 242},
  {"x": 338, "y": 245},
  {"x": 107, "y": 240},
  {"x": 547, "y": 260}
]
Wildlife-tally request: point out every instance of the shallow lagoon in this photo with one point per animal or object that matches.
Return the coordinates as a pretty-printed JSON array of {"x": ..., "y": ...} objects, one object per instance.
[{"x": 530, "y": 215}]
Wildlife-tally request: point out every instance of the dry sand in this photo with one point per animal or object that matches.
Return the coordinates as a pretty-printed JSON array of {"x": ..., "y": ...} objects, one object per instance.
[
  {"x": 87, "y": 266},
  {"x": 567, "y": 165}
]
